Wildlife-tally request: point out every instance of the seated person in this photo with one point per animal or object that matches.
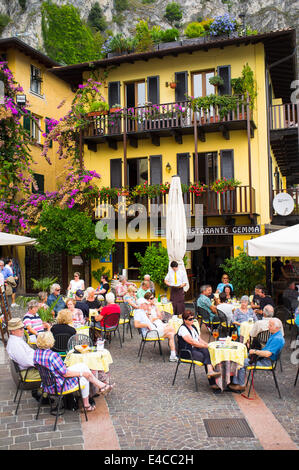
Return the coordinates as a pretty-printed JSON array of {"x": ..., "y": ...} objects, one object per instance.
[
  {"x": 19, "y": 351},
  {"x": 255, "y": 304},
  {"x": 243, "y": 313},
  {"x": 164, "y": 330},
  {"x": 224, "y": 282},
  {"x": 145, "y": 287},
  {"x": 288, "y": 267},
  {"x": 189, "y": 338},
  {"x": 130, "y": 297},
  {"x": 204, "y": 302},
  {"x": 122, "y": 287},
  {"x": 111, "y": 307},
  {"x": 227, "y": 290},
  {"x": 269, "y": 352},
  {"x": 77, "y": 314},
  {"x": 55, "y": 296},
  {"x": 291, "y": 294},
  {"x": 296, "y": 314},
  {"x": 44, "y": 356},
  {"x": 147, "y": 277},
  {"x": 264, "y": 300},
  {"x": 154, "y": 312},
  {"x": 81, "y": 304},
  {"x": 91, "y": 301},
  {"x": 32, "y": 321},
  {"x": 225, "y": 307},
  {"x": 42, "y": 299},
  {"x": 263, "y": 325},
  {"x": 103, "y": 288},
  {"x": 64, "y": 326}
]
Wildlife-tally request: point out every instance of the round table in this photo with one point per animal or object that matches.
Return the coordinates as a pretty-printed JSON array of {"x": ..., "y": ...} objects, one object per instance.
[
  {"x": 228, "y": 359},
  {"x": 245, "y": 329},
  {"x": 83, "y": 330},
  {"x": 165, "y": 307},
  {"x": 95, "y": 360}
]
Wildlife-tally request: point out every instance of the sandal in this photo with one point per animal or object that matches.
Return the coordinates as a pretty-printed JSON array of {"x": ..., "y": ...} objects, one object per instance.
[
  {"x": 88, "y": 409},
  {"x": 106, "y": 389}
]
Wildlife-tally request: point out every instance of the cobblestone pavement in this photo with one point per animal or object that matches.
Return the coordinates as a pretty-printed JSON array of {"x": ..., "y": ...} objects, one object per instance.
[{"x": 146, "y": 410}]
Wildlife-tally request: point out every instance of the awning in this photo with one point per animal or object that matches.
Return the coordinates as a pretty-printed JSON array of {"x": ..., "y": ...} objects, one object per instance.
[
  {"x": 284, "y": 242},
  {"x": 7, "y": 239}
]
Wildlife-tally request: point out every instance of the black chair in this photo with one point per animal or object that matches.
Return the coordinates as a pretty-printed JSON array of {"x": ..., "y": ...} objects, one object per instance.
[
  {"x": 22, "y": 381},
  {"x": 77, "y": 340},
  {"x": 48, "y": 381},
  {"x": 255, "y": 367},
  {"x": 225, "y": 326},
  {"x": 110, "y": 325},
  {"x": 60, "y": 345},
  {"x": 197, "y": 313},
  {"x": 125, "y": 318},
  {"x": 188, "y": 360},
  {"x": 211, "y": 325},
  {"x": 287, "y": 318},
  {"x": 150, "y": 339}
]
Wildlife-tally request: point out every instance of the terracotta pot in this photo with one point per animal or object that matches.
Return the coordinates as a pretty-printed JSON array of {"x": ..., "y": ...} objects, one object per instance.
[
  {"x": 97, "y": 113},
  {"x": 172, "y": 85}
]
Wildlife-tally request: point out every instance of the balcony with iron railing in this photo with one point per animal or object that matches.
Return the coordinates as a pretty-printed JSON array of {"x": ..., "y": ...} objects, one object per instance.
[
  {"x": 167, "y": 119},
  {"x": 238, "y": 201},
  {"x": 284, "y": 116}
]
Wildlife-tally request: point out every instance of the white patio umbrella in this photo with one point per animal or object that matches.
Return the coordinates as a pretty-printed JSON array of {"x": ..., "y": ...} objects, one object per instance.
[
  {"x": 7, "y": 239},
  {"x": 284, "y": 242},
  {"x": 176, "y": 226}
]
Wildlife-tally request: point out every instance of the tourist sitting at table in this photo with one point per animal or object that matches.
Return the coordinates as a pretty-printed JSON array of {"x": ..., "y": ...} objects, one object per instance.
[
  {"x": 110, "y": 308},
  {"x": 189, "y": 338},
  {"x": 122, "y": 287},
  {"x": 44, "y": 356},
  {"x": 81, "y": 304},
  {"x": 32, "y": 321},
  {"x": 64, "y": 326},
  {"x": 204, "y": 302},
  {"x": 291, "y": 294},
  {"x": 228, "y": 293},
  {"x": 42, "y": 300},
  {"x": 243, "y": 313},
  {"x": 154, "y": 312},
  {"x": 264, "y": 300},
  {"x": 145, "y": 287},
  {"x": 77, "y": 314},
  {"x": 54, "y": 296},
  {"x": 91, "y": 301},
  {"x": 224, "y": 282},
  {"x": 225, "y": 307},
  {"x": 147, "y": 277},
  {"x": 262, "y": 325},
  {"x": 145, "y": 324},
  {"x": 75, "y": 284},
  {"x": 130, "y": 297},
  {"x": 264, "y": 356},
  {"x": 103, "y": 288},
  {"x": 255, "y": 303}
]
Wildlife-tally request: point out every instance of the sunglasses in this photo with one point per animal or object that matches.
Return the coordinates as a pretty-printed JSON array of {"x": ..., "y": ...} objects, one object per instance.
[{"x": 190, "y": 319}]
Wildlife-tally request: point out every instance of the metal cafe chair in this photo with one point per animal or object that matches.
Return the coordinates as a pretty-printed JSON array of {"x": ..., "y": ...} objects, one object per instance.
[
  {"x": 125, "y": 318},
  {"x": 110, "y": 325},
  {"x": 182, "y": 359},
  {"x": 77, "y": 340},
  {"x": 149, "y": 339},
  {"x": 60, "y": 345},
  {"x": 256, "y": 367},
  {"x": 211, "y": 325},
  {"x": 22, "y": 381}
]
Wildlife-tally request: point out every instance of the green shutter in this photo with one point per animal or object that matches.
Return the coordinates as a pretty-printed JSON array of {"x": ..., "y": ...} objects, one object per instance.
[
  {"x": 47, "y": 131},
  {"x": 27, "y": 123}
]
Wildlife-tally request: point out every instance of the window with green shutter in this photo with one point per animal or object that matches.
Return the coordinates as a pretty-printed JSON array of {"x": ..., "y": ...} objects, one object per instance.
[{"x": 47, "y": 131}]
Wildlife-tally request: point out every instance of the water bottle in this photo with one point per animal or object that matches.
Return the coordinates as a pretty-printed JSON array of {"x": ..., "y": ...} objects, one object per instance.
[{"x": 98, "y": 344}]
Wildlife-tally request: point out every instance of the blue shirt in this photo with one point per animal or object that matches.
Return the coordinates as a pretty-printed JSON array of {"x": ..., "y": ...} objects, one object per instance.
[
  {"x": 60, "y": 304},
  {"x": 204, "y": 302},
  {"x": 221, "y": 286},
  {"x": 6, "y": 272},
  {"x": 275, "y": 344}
]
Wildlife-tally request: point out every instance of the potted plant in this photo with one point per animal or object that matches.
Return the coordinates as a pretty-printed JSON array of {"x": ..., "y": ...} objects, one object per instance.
[
  {"x": 216, "y": 81},
  {"x": 97, "y": 108},
  {"x": 222, "y": 185}
]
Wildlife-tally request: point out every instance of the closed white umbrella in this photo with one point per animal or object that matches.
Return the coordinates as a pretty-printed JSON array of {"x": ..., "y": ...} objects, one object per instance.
[
  {"x": 284, "y": 242},
  {"x": 176, "y": 226},
  {"x": 7, "y": 239}
]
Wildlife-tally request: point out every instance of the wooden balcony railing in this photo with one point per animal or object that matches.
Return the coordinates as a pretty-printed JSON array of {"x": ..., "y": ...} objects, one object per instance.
[
  {"x": 234, "y": 202},
  {"x": 294, "y": 193},
  {"x": 284, "y": 116},
  {"x": 161, "y": 117}
]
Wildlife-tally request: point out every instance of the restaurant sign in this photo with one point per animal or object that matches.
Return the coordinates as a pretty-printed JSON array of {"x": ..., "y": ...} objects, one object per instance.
[{"x": 225, "y": 230}]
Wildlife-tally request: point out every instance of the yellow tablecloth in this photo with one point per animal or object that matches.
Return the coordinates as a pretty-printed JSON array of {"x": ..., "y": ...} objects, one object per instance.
[
  {"x": 97, "y": 360},
  {"x": 83, "y": 330},
  {"x": 222, "y": 354},
  {"x": 165, "y": 307},
  {"x": 177, "y": 322},
  {"x": 245, "y": 330}
]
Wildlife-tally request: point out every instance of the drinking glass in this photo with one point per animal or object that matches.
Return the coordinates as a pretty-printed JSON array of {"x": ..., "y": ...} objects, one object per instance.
[
  {"x": 234, "y": 335},
  {"x": 215, "y": 334}
]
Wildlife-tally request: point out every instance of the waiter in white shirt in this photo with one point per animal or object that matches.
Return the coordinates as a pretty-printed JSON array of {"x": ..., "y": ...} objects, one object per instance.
[{"x": 176, "y": 279}]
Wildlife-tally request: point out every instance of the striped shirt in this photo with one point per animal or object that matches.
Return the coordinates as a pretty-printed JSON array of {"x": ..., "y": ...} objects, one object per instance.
[
  {"x": 52, "y": 361},
  {"x": 33, "y": 321}
]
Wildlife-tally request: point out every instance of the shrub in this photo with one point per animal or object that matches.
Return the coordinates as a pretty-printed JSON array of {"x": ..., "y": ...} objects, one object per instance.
[
  {"x": 169, "y": 35},
  {"x": 194, "y": 30},
  {"x": 155, "y": 263},
  {"x": 143, "y": 40},
  {"x": 222, "y": 25},
  {"x": 96, "y": 19},
  {"x": 173, "y": 13},
  {"x": 121, "y": 5},
  {"x": 156, "y": 34},
  {"x": 4, "y": 20}
]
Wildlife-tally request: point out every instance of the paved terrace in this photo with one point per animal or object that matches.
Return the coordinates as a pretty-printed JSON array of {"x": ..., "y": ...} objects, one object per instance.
[{"x": 145, "y": 411}]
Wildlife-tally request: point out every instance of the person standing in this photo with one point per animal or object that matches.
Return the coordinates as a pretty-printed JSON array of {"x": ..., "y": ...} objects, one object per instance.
[
  {"x": 176, "y": 279},
  {"x": 75, "y": 284}
]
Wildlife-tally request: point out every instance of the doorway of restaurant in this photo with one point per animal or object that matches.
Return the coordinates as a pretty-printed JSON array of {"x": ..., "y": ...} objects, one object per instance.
[{"x": 206, "y": 261}]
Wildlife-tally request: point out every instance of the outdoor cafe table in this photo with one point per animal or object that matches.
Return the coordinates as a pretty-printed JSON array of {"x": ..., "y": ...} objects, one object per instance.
[
  {"x": 95, "y": 360},
  {"x": 228, "y": 359},
  {"x": 82, "y": 330},
  {"x": 165, "y": 307},
  {"x": 245, "y": 329}
]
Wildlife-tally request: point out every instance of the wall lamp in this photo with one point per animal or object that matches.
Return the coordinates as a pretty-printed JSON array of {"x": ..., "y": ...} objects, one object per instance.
[{"x": 168, "y": 167}]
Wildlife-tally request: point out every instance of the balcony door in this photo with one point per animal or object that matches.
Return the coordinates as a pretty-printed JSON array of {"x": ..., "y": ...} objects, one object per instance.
[
  {"x": 137, "y": 171},
  {"x": 135, "y": 98},
  {"x": 200, "y": 86},
  {"x": 207, "y": 167}
]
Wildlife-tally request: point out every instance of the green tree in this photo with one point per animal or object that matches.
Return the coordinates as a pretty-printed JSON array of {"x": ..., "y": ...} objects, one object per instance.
[
  {"x": 96, "y": 19},
  {"x": 155, "y": 263},
  {"x": 66, "y": 38},
  {"x": 173, "y": 13},
  {"x": 244, "y": 272}
]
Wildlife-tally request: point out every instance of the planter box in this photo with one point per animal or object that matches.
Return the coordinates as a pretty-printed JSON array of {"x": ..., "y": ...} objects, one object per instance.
[
  {"x": 116, "y": 54},
  {"x": 193, "y": 41},
  {"x": 169, "y": 45},
  {"x": 97, "y": 113}
]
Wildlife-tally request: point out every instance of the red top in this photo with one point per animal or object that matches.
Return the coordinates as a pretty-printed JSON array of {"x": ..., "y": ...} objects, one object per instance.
[{"x": 107, "y": 310}]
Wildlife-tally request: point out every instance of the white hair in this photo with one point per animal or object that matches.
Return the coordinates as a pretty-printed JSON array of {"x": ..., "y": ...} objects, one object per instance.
[
  {"x": 146, "y": 277},
  {"x": 89, "y": 291},
  {"x": 54, "y": 287},
  {"x": 110, "y": 298},
  {"x": 268, "y": 311},
  {"x": 277, "y": 322}
]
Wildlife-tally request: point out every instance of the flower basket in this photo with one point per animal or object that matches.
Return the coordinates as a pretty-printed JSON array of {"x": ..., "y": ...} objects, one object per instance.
[
  {"x": 222, "y": 185},
  {"x": 97, "y": 113},
  {"x": 172, "y": 85}
]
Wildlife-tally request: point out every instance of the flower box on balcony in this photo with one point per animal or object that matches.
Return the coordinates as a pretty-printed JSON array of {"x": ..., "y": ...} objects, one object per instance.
[{"x": 97, "y": 113}]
